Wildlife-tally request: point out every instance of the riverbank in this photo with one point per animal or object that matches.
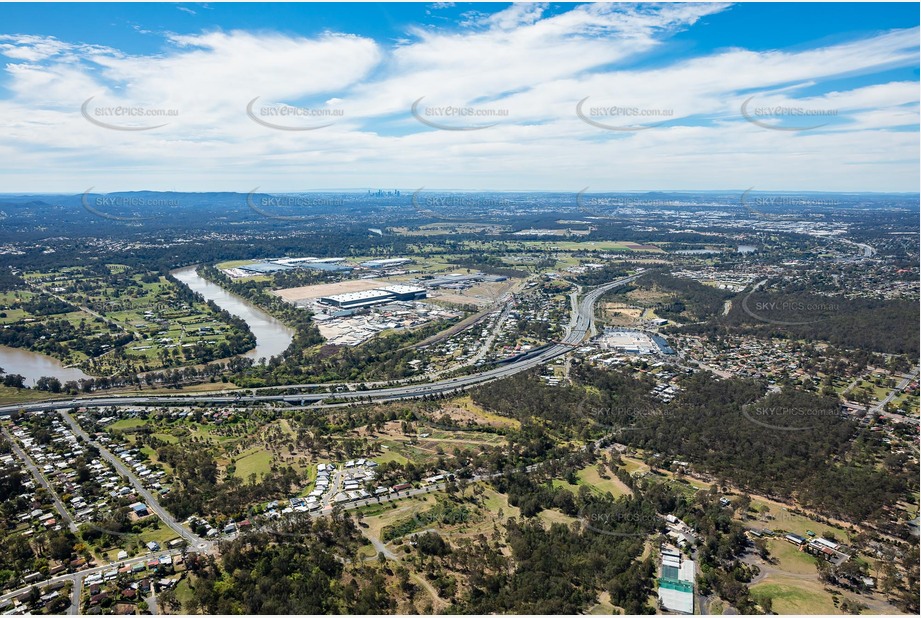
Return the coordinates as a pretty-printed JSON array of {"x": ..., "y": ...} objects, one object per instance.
[
  {"x": 34, "y": 365},
  {"x": 272, "y": 336}
]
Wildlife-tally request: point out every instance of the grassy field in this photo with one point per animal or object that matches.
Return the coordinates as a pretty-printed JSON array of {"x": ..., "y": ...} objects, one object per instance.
[
  {"x": 162, "y": 535},
  {"x": 777, "y": 518},
  {"x": 795, "y": 596},
  {"x": 551, "y": 516},
  {"x": 391, "y": 455},
  {"x": 184, "y": 592},
  {"x": 166, "y": 437},
  {"x": 463, "y": 409},
  {"x": 258, "y": 463},
  {"x": 19, "y": 395},
  {"x": 876, "y": 392},
  {"x": 790, "y": 559},
  {"x": 126, "y": 423},
  {"x": 205, "y": 387},
  {"x": 589, "y": 477},
  {"x": 632, "y": 465},
  {"x": 494, "y": 502}
]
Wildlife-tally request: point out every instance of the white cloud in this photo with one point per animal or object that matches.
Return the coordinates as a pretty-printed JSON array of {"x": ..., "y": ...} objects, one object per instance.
[
  {"x": 30, "y": 48},
  {"x": 535, "y": 64}
]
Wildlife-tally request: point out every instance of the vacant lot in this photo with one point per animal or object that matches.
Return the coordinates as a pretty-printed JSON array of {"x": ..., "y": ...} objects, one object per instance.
[
  {"x": 795, "y": 596},
  {"x": 327, "y": 289},
  {"x": 463, "y": 410},
  {"x": 480, "y": 295},
  {"x": 258, "y": 462}
]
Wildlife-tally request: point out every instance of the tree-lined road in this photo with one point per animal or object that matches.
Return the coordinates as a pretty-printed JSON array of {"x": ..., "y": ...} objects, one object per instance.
[
  {"x": 195, "y": 542},
  {"x": 581, "y": 324},
  {"x": 40, "y": 477}
]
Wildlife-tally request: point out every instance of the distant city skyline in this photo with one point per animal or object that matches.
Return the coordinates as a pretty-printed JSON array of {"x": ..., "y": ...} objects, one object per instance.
[{"x": 459, "y": 97}]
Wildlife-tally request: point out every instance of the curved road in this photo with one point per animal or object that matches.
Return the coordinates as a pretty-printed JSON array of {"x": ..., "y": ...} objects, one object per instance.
[{"x": 582, "y": 323}]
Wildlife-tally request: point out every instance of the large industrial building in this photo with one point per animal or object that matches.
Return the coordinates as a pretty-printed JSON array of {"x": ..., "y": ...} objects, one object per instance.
[
  {"x": 387, "y": 263},
  {"x": 461, "y": 281},
  {"x": 279, "y": 264},
  {"x": 404, "y": 292},
  {"x": 629, "y": 341},
  {"x": 369, "y": 298},
  {"x": 676, "y": 584}
]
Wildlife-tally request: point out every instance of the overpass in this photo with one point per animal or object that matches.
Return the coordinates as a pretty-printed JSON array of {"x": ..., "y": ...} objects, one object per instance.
[{"x": 581, "y": 324}]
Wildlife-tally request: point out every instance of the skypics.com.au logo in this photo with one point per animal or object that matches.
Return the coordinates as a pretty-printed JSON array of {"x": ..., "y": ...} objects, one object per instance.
[
  {"x": 627, "y": 118},
  {"x": 630, "y": 524},
  {"x": 283, "y": 117},
  {"x": 759, "y": 205},
  {"x": 114, "y": 207},
  {"x": 613, "y": 419},
  {"x": 785, "y": 118},
  {"x": 594, "y": 205},
  {"x": 129, "y": 118},
  {"x": 785, "y": 418},
  {"x": 268, "y": 205},
  {"x": 457, "y": 117},
  {"x": 456, "y": 207},
  {"x": 787, "y": 311}
]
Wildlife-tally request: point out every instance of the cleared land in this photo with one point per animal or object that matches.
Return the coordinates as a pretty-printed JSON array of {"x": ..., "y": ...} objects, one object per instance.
[
  {"x": 795, "y": 596},
  {"x": 328, "y": 289},
  {"x": 480, "y": 295}
]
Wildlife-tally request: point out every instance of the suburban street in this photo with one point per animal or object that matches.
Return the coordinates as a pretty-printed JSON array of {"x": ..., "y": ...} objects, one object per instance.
[
  {"x": 77, "y": 578},
  {"x": 580, "y": 324},
  {"x": 75, "y": 593},
  {"x": 40, "y": 477},
  {"x": 194, "y": 541}
]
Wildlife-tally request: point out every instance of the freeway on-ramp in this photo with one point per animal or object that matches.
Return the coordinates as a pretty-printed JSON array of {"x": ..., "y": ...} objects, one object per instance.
[{"x": 581, "y": 324}]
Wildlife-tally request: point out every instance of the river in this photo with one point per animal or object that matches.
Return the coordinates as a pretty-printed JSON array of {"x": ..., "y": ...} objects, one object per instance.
[
  {"x": 272, "y": 336},
  {"x": 34, "y": 366}
]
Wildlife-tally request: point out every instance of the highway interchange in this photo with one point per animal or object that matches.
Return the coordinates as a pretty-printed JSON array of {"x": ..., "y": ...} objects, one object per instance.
[{"x": 581, "y": 324}]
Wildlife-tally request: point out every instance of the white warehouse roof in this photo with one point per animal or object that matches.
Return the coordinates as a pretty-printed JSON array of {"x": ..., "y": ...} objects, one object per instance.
[
  {"x": 351, "y": 297},
  {"x": 403, "y": 289}
]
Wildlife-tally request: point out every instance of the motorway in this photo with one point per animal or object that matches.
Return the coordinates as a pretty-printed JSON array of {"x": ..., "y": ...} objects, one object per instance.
[{"x": 581, "y": 324}]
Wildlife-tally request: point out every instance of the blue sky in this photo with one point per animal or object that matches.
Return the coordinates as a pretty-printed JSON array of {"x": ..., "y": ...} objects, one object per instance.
[{"x": 615, "y": 97}]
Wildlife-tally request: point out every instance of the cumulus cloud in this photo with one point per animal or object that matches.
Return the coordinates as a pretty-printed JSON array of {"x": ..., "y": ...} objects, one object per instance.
[{"x": 528, "y": 61}]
